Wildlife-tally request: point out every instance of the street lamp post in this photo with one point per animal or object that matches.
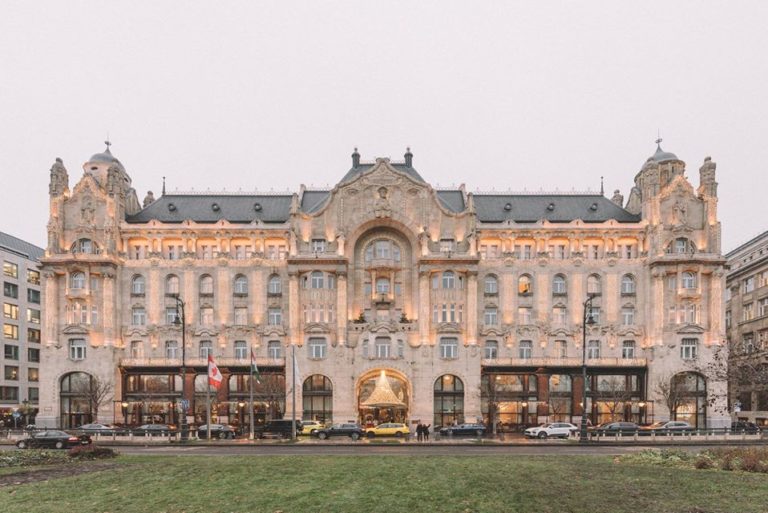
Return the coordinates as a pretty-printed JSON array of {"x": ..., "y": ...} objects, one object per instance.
[
  {"x": 124, "y": 405},
  {"x": 181, "y": 319},
  {"x": 587, "y": 319}
]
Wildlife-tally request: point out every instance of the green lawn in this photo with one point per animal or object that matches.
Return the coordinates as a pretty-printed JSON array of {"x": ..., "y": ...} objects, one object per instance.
[{"x": 390, "y": 484}]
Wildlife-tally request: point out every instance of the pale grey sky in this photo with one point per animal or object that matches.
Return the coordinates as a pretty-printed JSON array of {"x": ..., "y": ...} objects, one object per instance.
[{"x": 268, "y": 95}]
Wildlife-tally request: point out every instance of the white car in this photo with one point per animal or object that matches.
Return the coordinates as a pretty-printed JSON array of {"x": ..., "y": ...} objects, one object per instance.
[{"x": 559, "y": 429}]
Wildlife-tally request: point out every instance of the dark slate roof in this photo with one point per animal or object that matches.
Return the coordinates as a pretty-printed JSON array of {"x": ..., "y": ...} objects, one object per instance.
[
  {"x": 452, "y": 200},
  {"x": 210, "y": 208},
  {"x": 311, "y": 201},
  {"x": 362, "y": 168},
  {"x": 662, "y": 156},
  {"x": 557, "y": 208},
  {"x": 20, "y": 247}
]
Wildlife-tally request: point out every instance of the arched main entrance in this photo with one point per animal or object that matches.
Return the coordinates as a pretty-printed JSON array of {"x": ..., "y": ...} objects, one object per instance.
[
  {"x": 76, "y": 399},
  {"x": 383, "y": 396},
  {"x": 689, "y": 398}
]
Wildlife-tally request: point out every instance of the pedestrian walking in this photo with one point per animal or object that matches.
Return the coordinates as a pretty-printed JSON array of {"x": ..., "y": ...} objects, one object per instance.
[{"x": 426, "y": 432}]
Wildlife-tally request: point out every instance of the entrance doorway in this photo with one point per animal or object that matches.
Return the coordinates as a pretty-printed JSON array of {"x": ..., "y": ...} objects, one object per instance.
[{"x": 383, "y": 396}]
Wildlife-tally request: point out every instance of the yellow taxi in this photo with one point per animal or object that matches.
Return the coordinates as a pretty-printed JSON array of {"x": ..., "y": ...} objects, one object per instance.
[
  {"x": 309, "y": 427},
  {"x": 388, "y": 429}
]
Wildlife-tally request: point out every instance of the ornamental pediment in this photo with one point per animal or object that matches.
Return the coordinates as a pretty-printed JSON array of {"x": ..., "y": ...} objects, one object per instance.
[
  {"x": 691, "y": 329},
  {"x": 75, "y": 329},
  {"x": 317, "y": 327}
]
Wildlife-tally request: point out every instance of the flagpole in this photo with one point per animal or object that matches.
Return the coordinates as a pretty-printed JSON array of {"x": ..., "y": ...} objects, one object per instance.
[
  {"x": 208, "y": 399},
  {"x": 250, "y": 412},
  {"x": 293, "y": 394}
]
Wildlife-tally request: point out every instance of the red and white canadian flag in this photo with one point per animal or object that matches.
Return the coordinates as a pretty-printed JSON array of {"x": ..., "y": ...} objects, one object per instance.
[{"x": 214, "y": 376}]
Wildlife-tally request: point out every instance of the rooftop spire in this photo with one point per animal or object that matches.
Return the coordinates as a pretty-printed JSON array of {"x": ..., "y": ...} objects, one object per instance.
[
  {"x": 163, "y": 186},
  {"x": 602, "y": 190}
]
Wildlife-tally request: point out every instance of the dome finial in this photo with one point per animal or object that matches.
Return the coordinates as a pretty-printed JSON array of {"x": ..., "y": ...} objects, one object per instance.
[
  {"x": 658, "y": 139},
  {"x": 163, "y": 186},
  {"x": 602, "y": 189}
]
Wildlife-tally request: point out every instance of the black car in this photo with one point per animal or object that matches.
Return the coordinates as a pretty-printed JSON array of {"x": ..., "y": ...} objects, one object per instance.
[
  {"x": 220, "y": 431},
  {"x": 153, "y": 430},
  {"x": 463, "y": 430},
  {"x": 353, "y": 431},
  {"x": 744, "y": 426},
  {"x": 52, "y": 438},
  {"x": 280, "y": 428},
  {"x": 101, "y": 429},
  {"x": 615, "y": 428}
]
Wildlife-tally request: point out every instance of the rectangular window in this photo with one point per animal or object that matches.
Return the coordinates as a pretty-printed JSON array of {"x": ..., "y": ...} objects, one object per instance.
[
  {"x": 11, "y": 373},
  {"x": 524, "y": 315},
  {"x": 689, "y": 348},
  {"x": 727, "y": 318},
  {"x": 593, "y": 349},
  {"x": 33, "y": 277},
  {"x": 449, "y": 348},
  {"x": 138, "y": 317},
  {"x": 672, "y": 282},
  {"x": 595, "y": 313},
  {"x": 524, "y": 251},
  {"x": 33, "y": 335},
  {"x": 317, "y": 347},
  {"x": 33, "y": 354},
  {"x": 628, "y": 349},
  {"x": 561, "y": 349},
  {"x": 525, "y": 350},
  {"x": 171, "y": 349},
  {"x": 559, "y": 315},
  {"x": 34, "y": 394},
  {"x": 206, "y": 316},
  {"x": 382, "y": 347},
  {"x": 10, "y": 290},
  {"x": 241, "y": 315},
  {"x": 491, "y": 317},
  {"x": 749, "y": 284},
  {"x": 447, "y": 245},
  {"x": 11, "y": 331},
  {"x": 274, "y": 349},
  {"x": 33, "y": 374},
  {"x": 762, "y": 307},
  {"x": 628, "y": 316},
  {"x": 275, "y": 317},
  {"x": 491, "y": 351},
  {"x": 241, "y": 349},
  {"x": 206, "y": 349},
  {"x": 137, "y": 349},
  {"x": 318, "y": 245},
  {"x": 33, "y": 296},
  {"x": 170, "y": 314},
  {"x": 9, "y": 393},
  {"x": 10, "y": 269},
  {"x": 10, "y": 311},
  {"x": 748, "y": 312},
  {"x": 77, "y": 349},
  {"x": 33, "y": 316}
]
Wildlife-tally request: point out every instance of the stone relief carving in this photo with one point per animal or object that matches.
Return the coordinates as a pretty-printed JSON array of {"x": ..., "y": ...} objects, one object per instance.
[{"x": 382, "y": 206}]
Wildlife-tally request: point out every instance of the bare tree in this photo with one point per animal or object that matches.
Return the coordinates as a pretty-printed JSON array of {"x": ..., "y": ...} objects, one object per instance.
[
  {"x": 271, "y": 390},
  {"x": 97, "y": 392},
  {"x": 558, "y": 406},
  {"x": 489, "y": 392},
  {"x": 670, "y": 389},
  {"x": 741, "y": 368},
  {"x": 613, "y": 393}
]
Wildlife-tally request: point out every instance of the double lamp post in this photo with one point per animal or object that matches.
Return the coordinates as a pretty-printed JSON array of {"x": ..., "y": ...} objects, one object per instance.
[{"x": 587, "y": 319}]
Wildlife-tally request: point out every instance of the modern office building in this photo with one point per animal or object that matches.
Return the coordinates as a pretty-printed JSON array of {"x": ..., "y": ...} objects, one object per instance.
[
  {"x": 746, "y": 321},
  {"x": 398, "y": 301},
  {"x": 20, "y": 360}
]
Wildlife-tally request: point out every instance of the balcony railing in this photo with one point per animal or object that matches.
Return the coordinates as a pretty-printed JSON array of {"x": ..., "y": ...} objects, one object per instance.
[
  {"x": 566, "y": 362},
  {"x": 199, "y": 362}
]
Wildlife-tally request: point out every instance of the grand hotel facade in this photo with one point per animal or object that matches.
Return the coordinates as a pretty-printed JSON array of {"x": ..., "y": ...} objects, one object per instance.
[{"x": 461, "y": 306}]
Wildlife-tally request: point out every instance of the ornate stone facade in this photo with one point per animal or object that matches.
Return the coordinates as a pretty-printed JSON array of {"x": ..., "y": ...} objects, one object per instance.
[{"x": 472, "y": 304}]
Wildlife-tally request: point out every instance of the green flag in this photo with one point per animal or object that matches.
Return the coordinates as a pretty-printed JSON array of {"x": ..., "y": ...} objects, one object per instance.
[{"x": 255, "y": 369}]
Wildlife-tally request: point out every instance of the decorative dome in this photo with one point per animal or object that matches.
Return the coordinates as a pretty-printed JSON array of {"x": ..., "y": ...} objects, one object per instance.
[
  {"x": 661, "y": 155},
  {"x": 105, "y": 156}
]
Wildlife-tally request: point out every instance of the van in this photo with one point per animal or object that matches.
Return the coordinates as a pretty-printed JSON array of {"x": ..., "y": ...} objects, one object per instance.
[{"x": 278, "y": 428}]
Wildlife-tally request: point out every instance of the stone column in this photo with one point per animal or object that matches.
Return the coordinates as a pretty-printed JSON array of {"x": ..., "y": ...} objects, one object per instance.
[
  {"x": 223, "y": 295},
  {"x": 51, "y": 309},
  {"x": 155, "y": 293},
  {"x": 258, "y": 296},
  {"x": 342, "y": 313},
  {"x": 294, "y": 335},
  {"x": 110, "y": 316},
  {"x": 471, "y": 329},
  {"x": 424, "y": 306},
  {"x": 190, "y": 298}
]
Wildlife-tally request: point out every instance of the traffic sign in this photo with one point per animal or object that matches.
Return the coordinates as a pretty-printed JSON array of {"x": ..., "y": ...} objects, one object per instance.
[{"x": 16, "y": 415}]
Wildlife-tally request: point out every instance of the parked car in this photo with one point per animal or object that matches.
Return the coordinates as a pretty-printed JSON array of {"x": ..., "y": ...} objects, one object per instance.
[
  {"x": 744, "y": 426},
  {"x": 670, "y": 426},
  {"x": 353, "y": 431},
  {"x": 52, "y": 438},
  {"x": 463, "y": 430},
  {"x": 388, "y": 429},
  {"x": 615, "y": 428},
  {"x": 101, "y": 429},
  {"x": 281, "y": 428},
  {"x": 308, "y": 427},
  {"x": 153, "y": 430},
  {"x": 558, "y": 429},
  {"x": 220, "y": 431}
]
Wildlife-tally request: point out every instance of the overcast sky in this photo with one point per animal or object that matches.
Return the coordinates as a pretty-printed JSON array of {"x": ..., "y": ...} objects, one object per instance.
[{"x": 497, "y": 95}]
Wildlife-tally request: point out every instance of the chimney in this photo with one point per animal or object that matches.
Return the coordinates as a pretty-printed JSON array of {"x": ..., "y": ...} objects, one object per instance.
[
  {"x": 408, "y": 157},
  {"x": 355, "y": 159}
]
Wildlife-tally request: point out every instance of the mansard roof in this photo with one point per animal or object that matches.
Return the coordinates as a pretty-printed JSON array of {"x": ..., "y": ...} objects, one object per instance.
[
  {"x": 556, "y": 208},
  {"x": 399, "y": 166},
  {"x": 210, "y": 208},
  {"x": 20, "y": 247}
]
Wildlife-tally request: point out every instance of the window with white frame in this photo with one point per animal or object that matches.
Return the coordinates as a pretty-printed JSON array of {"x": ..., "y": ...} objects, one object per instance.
[
  {"x": 628, "y": 349},
  {"x": 172, "y": 284},
  {"x": 559, "y": 315},
  {"x": 206, "y": 315},
  {"x": 138, "y": 285},
  {"x": 449, "y": 280},
  {"x": 491, "y": 350},
  {"x": 593, "y": 349},
  {"x": 491, "y": 316},
  {"x": 688, "y": 280},
  {"x": 748, "y": 311},
  {"x": 382, "y": 345},
  {"x": 525, "y": 349},
  {"x": 593, "y": 284},
  {"x": 275, "y": 285},
  {"x": 689, "y": 348},
  {"x": 172, "y": 349},
  {"x": 318, "y": 245},
  {"x": 241, "y": 285},
  {"x": 241, "y": 315},
  {"x": 748, "y": 343},
  {"x": 138, "y": 316},
  {"x": 400, "y": 349},
  {"x": 77, "y": 281},
  {"x": 627, "y": 284},
  {"x": 449, "y": 348},
  {"x": 447, "y": 245},
  {"x": 170, "y": 314},
  {"x": 206, "y": 349},
  {"x": 672, "y": 282},
  {"x": 762, "y": 307},
  {"x": 206, "y": 285},
  {"x": 524, "y": 315},
  {"x": 594, "y": 312},
  {"x": 137, "y": 349},
  {"x": 524, "y": 251},
  {"x": 274, "y": 317},
  {"x": 77, "y": 349},
  {"x": 317, "y": 280},
  {"x": 274, "y": 349},
  {"x": 382, "y": 286},
  {"x": 749, "y": 284},
  {"x": 561, "y": 348},
  {"x": 628, "y": 315},
  {"x": 491, "y": 285},
  {"x": 559, "y": 287},
  {"x": 317, "y": 347},
  {"x": 241, "y": 350}
]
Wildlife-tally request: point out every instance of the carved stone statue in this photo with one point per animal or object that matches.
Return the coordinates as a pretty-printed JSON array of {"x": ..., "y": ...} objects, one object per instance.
[
  {"x": 87, "y": 211},
  {"x": 340, "y": 241},
  {"x": 148, "y": 199},
  {"x": 680, "y": 213},
  {"x": 382, "y": 207},
  {"x": 618, "y": 198},
  {"x": 59, "y": 178}
]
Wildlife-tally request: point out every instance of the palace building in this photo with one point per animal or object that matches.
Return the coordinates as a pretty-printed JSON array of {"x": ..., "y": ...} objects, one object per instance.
[{"x": 398, "y": 301}]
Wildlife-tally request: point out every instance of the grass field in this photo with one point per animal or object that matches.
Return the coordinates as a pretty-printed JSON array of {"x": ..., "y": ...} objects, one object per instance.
[{"x": 391, "y": 484}]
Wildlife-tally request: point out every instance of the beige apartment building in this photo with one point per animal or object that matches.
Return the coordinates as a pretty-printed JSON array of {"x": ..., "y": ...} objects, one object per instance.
[
  {"x": 398, "y": 301},
  {"x": 746, "y": 321}
]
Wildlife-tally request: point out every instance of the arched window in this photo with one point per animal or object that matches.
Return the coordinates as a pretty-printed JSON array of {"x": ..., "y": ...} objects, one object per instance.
[
  {"x": 681, "y": 246},
  {"x": 559, "y": 287},
  {"x": 317, "y": 398},
  {"x": 448, "y": 400},
  {"x": 593, "y": 284},
  {"x": 382, "y": 285},
  {"x": 524, "y": 285},
  {"x": 275, "y": 285},
  {"x": 689, "y": 280},
  {"x": 206, "y": 285},
  {"x": 628, "y": 285},
  {"x": 241, "y": 285},
  {"x": 382, "y": 249},
  {"x": 77, "y": 280},
  {"x": 689, "y": 401},
  {"x": 491, "y": 285},
  {"x": 75, "y": 399},
  {"x": 137, "y": 285},
  {"x": 85, "y": 246},
  {"x": 172, "y": 285},
  {"x": 317, "y": 280},
  {"x": 449, "y": 280}
]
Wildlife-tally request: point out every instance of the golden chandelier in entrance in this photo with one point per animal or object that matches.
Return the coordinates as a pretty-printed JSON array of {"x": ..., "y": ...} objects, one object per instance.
[{"x": 382, "y": 395}]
